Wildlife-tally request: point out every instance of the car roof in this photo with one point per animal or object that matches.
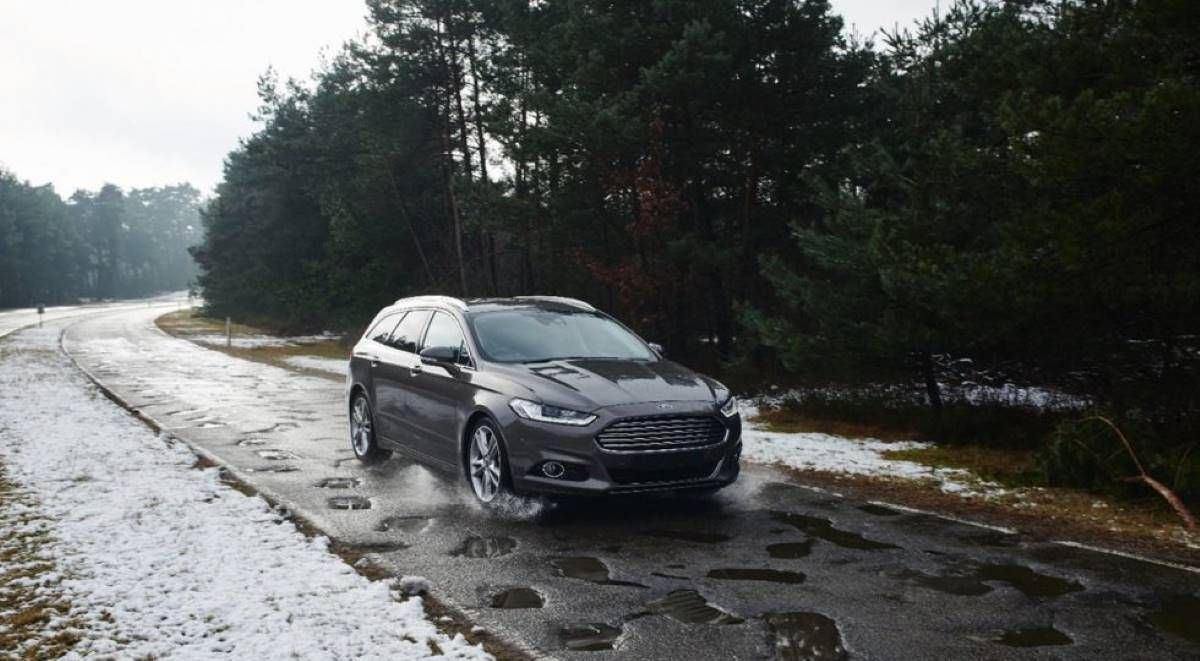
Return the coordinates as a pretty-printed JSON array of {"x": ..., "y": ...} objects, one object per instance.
[{"x": 556, "y": 303}]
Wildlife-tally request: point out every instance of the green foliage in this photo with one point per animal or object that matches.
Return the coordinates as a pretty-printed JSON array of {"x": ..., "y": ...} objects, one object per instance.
[
  {"x": 106, "y": 244},
  {"x": 1087, "y": 454}
]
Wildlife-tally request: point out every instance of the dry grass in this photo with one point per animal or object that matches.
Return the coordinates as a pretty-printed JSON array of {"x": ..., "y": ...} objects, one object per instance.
[
  {"x": 791, "y": 421},
  {"x": 188, "y": 325},
  {"x": 35, "y": 621},
  {"x": 1012, "y": 468}
]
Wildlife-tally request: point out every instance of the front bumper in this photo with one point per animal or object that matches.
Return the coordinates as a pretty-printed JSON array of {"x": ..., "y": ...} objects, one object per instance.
[{"x": 594, "y": 470}]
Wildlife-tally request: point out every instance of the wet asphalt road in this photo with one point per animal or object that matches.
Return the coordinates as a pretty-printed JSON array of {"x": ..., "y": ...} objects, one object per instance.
[{"x": 766, "y": 568}]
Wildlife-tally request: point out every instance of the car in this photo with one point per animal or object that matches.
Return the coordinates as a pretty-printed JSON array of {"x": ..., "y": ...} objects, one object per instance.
[{"x": 536, "y": 395}]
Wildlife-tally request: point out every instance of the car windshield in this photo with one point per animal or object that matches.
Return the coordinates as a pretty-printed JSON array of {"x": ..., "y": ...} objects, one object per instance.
[{"x": 531, "y": 335}]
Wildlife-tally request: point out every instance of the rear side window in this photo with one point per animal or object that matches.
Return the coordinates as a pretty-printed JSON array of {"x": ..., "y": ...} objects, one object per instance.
[
  {"x": 408, "y": 333},
  {"x": 444, "y": 331},
  {"x": 382, "y": 329}
]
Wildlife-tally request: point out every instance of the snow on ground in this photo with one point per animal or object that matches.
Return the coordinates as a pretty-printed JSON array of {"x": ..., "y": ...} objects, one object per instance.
[
  {"x": 158, "y": 559},
  {"x": 852, "y": 456},
  {"x": 336, "y": 366},
  {"x": 260, "y": 341}
]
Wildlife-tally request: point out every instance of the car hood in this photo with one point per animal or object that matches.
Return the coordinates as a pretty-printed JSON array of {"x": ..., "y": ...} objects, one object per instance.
[{"x": 588, "y": 384}]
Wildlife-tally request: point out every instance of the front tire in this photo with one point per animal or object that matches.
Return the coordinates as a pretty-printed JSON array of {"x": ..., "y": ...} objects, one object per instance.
[
  {"x": 362, "y": 432},
  {"x": 487, "y": 463}
]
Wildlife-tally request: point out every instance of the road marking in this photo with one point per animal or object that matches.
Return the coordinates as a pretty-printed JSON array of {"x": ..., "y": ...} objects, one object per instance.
[
  {"x": 1130, "y": 556},
  {"x": 968, "y": 522}
]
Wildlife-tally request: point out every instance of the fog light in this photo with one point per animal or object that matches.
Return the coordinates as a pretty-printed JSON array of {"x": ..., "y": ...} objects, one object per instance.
[{"x": 553, "y": 469}]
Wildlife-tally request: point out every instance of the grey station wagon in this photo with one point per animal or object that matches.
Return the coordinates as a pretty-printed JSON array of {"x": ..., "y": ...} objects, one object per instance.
[{"x": 536, "y": 394}]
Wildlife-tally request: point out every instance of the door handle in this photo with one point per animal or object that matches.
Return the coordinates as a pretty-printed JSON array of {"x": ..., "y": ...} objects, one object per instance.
[{"x": 416, "y": 369}]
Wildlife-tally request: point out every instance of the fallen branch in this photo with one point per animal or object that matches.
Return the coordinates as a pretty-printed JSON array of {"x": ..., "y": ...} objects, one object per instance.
[{"x": 1163, "y": 490}]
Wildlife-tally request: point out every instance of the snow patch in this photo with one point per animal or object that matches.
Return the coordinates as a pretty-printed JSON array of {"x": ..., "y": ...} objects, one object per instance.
[{"x": 161, "y": 560}]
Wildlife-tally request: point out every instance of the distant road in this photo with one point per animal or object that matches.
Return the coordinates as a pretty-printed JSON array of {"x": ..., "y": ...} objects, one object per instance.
[{"x": 11, "y": 320}]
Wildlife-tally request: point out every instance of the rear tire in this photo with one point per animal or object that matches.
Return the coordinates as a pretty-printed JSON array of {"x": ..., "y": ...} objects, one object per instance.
[
  {"x": 486, "y": 464},
  {"x": 362, "y": 432}
]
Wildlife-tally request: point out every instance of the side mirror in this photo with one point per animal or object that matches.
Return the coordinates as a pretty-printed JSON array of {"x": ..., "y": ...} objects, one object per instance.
[
  {"x": 444, "y": 356},
  {"x": 657, "y": 348}
]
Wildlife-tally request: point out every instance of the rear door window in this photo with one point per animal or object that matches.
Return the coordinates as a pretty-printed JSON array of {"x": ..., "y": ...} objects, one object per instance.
[
  {"x": 382, "y": 330},
  {"x": 408, "y": 333}
]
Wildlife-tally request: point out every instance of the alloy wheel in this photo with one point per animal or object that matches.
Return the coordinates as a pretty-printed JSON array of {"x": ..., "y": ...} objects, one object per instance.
[
  {"x": 360, "y": 427},
  {"x": 485, "y": 463}
]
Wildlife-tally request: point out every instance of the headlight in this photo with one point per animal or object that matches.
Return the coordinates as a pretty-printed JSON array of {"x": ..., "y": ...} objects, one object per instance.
[
  {"x": 729, "y": 408},
  {"x": 553, "y": 414}
]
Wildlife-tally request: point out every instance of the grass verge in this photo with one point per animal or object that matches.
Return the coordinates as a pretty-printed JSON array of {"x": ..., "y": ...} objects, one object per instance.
[
  {"x": 35, "y": 619},
  {"x": 190, "y": 325}
]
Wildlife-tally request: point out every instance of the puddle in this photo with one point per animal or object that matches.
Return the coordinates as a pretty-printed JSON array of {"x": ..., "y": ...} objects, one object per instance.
[
  {"x": 963, "y": 586},
  {"x": 338, "y": 483},
  {"x": 770, "y": 575},
  {"x": 689, "y": 607},
  {"x": 589, "y": 637},
  {"x": 1029, "y": 582},
  {"x": 1036, "y": 637},
  {"x": 485, "y": 547},
  {"x": 790, "y": 550},
  {"x": 349, "y": 503},
  {"x": 1178, "y": 615},
  {"x": 276, "y": 455},
  {"x": 697, "y": 536},
  {"x": 823, "y": 528},
  {"x": 283, "y": 468},
  {"x": 251, "y": 442},
  {"x": 517, "y": 598},
  {"x": 805, "y": 636},
  {"x": 588, "y": 569},
  {"x": 878, "y": 510},
  {"x": 1024, "y": 579},
  {"x": 384, "y": 547},
  {"x": 674, "y": 576},
  {"x": 410, "y": 524}
]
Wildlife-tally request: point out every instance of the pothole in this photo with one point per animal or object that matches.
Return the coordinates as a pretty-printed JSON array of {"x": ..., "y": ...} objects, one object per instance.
[
  {"x": 1034, "y": 637},
  {"x": 409, "y": 524},
  {"x": 251, "y": 442},
  {"x": 282, "y": 468},
  {"x": 1177, "y": 615},
  {"x": 349, "y": 503},
  {"x": 588, "y": 569},
  {"x": 689, "y": 607},
  {"x": 878, "y": 510},
  {"x": 752, "y": 574},
  {"x": 790, "y": 550},
  {"x": 697, "y": 536},
  {"x": 963, "y": 586},
  {"x": 338, "y": 483},
  {"x": 485, "y": 547},
  {"x": 823, "y": 529},
  {"x": 589, "y": 637},
  {"x": 276, "y": 455},
  {"x": 517, "y": 598},
  {"x": 1029, "y": 582},
  {"x": 805, "y": 636}
]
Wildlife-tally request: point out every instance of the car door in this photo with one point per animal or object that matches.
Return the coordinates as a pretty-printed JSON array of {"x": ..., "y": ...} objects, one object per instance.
[
  {"x": 439, "y": 395},
  {"x": 368, "y": 365},
  {"x": 393, "y": 376}
]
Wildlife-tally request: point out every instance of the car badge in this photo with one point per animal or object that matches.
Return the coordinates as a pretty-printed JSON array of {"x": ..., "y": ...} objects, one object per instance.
[{"x": 664, "y": 407}]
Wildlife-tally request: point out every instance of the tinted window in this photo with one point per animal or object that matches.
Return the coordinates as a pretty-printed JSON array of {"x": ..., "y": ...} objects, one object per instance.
[
  {"x": 444, "y": 331},
  {"x": 534, "y": 335},
  {"x": 382, "y": 330},
  {"x": 408, "y": 333}
]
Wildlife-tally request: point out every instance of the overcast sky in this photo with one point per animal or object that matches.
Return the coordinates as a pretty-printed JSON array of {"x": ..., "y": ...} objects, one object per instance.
[{"x": 151, "y": 92}]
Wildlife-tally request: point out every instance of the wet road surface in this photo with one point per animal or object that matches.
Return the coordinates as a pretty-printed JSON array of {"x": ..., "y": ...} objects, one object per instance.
[{"x": 767, "y": 568}]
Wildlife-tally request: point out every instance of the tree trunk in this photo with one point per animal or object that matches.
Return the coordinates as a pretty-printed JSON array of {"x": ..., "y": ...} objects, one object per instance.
[{"x": 932, "y": 390}]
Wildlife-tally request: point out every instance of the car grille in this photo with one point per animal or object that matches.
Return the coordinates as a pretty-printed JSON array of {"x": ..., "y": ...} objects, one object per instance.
[
  {"x": 661, "y": 434},
  {"x": 654, "y": 475}
]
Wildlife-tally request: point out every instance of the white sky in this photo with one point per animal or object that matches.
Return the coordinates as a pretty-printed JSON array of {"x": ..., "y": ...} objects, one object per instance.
[{"x": 151, "y": 92}]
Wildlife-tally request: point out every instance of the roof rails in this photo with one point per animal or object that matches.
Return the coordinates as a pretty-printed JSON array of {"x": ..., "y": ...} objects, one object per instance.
[
  {"x": 562, "y": 300},
  {"x": 432, "y": 300}
]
